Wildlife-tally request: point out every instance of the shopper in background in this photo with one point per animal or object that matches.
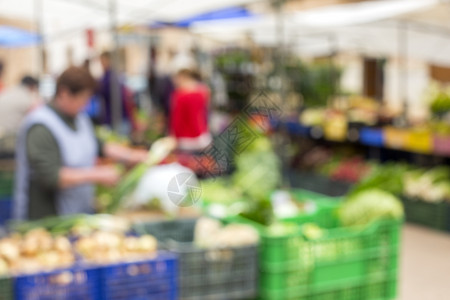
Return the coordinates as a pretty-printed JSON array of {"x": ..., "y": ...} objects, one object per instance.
[
  {"x": 15, "y": 103},
  {"x": 160, "y": 85},
  {"x": 94, "y": 106},
  {"x": 56, "y": 154},
  {"x": 128, "y": 121},
  {"x": 189, "y": 112},
  {"x": 2, "y": 66}
]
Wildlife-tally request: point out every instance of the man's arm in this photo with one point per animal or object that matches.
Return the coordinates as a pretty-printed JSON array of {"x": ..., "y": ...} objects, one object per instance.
[
  {"x": 124, "y": 154},
  {"x": 44, "y": 157},
  {"x": 106, "y": 175},
  {"x": 45, "y": 160}
]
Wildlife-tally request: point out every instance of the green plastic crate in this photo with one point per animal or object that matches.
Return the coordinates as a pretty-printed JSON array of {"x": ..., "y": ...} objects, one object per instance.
[
  {"x": 300, "y": 195},
  {"x": 344, "y": 261},
  {"x": 6, "y": 289},
  {"x": 6, "y": 183},
  {"x": 432, "y": 215},
  {"x": 319, "y": 183},
  {"x": 378, "y": 290}
]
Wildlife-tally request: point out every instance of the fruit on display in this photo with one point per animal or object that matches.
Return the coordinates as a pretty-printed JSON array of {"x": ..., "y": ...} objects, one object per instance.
[
  {"x": 103, "y": 247},
  {"x": 34, "y": 251},
  {"x": 313, "y": 117},
  {"x": 440, "y": 127},
  {"x": 350, "y": 170},
  {"x": 336, "y": 125}
]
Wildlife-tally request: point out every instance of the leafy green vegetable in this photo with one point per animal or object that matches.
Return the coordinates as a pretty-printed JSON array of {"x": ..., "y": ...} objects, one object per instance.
[
  {"x": 257, "y": 174},
  {"x": 220, "y": 191},
  {"x": 312, "y": 232},
  {"x": 107, "y": 135},
  {"x": 368, "y": 206},
  {"x": 126, "y": 187},
  {"x": 441, "y": 103},
  {"x": 259, "y": 210},
  {"x": 76, "y": 224},
  {"x": 282, "y": 229},
  {"x": 387, "y": 177},
  {"x": 430, "y": 186}
]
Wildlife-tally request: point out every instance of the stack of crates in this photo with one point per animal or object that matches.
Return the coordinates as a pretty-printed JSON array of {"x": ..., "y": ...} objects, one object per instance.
[
  {"x": 222, "y": 273},
  {"x": 343, "y": 264}
]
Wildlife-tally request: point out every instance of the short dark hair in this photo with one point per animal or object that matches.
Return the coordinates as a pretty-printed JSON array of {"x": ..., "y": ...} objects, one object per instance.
[
  {"x": 2, "y": 66},
  {"x": 75, "y": 80},
  {"x": 106, "y": 54},
  {"x": 29, "y": 81},
  {"x": 187, "y": 73}
]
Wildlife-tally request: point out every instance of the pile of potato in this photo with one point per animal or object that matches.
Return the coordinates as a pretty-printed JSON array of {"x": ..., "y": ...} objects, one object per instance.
[
  {"x": 35, "y": 251},
  {"x": 210, "y": 233},
  {"x": 111, "y": 247}
]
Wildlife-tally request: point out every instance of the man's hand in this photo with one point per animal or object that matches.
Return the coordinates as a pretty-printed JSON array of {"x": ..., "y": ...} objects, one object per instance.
[
  {"x": 106, "y": 175},
  {"x": 138, "y": 156}
]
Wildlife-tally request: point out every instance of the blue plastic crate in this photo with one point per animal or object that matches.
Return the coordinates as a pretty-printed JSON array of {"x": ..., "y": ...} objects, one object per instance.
[
  {"x": 76, "y": 283},
  {"x": 371, "y": 137},
  {"x": 5, "y": 210},
  {"x": 153, "y": 279},
  {"x": 296, "y": 128}
]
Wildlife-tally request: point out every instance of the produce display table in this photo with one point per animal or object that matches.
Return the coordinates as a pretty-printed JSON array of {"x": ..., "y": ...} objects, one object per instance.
[
  {"x": 328, "y": 261},
  {"x": 157, "y": 215}
]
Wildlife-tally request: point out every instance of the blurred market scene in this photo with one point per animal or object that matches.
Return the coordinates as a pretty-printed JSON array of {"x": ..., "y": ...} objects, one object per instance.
[{"x": 224, "y": 150}]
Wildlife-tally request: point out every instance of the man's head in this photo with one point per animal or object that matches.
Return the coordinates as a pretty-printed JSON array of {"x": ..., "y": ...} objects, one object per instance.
[
  {"x": 105, "y": 60},
  {"x": 74, "y": 87},
  {"x": 31, "y": 83}
]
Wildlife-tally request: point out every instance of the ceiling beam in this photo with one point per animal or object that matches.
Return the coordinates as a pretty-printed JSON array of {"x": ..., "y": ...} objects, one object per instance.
[{"x": 309, "y": 4}]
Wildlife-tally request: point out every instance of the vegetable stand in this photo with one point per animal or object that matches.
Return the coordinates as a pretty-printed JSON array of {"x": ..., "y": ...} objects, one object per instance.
[{"x": 306, "y": 256}]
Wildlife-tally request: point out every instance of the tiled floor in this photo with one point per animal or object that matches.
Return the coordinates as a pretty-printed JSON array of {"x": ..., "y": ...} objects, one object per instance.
[{"x": 425, "y": 264}]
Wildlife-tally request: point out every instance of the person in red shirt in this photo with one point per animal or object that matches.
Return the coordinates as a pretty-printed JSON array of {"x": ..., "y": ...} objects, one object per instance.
[{"x": 189, "y": 112}]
